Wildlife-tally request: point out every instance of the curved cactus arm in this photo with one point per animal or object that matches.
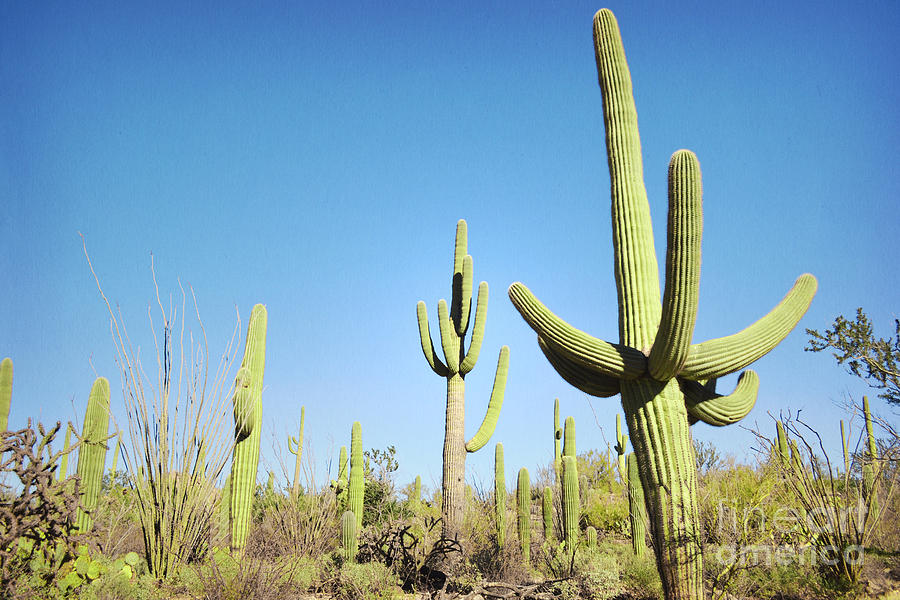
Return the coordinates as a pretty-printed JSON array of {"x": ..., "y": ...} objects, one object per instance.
[
  {"x": 722, "y": 356},
  {"x": 578, "y": 375},
  {"x": 461, "y": 319},
  {"x": 679, "y": 303},
  {"x": 292, "y": 440},
  {"x": 449, "y": 339},
  {"x": 486, "y": 430},
  {"x": 481, "y": 304},
  {"x": 719, "y": 410},
  {"x": 427, "y": 346},
  {"x": 597, "y": 356}
]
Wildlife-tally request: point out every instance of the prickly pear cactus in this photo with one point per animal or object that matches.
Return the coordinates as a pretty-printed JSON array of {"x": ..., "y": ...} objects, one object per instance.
[
  {"x": 666, "y": 382},
  {"x": 248, "y": 426},
  {"x": 523, "y": 514},
  {"x": 92, "y": 452},
  {"x": 297, "y": 451},
  {"x": 458, "y": 362},
  {"x": 499, "y": 495},
  {"x": 6, "y": 379},
  {"x": 357, "y": 476}
]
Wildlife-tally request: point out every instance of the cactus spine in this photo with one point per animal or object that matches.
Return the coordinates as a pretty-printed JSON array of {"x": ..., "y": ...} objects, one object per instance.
[
  {"x": 92, "y": 452},
  {"x": 547, "y": 512},
  {"x": 458, "y": 362},
  {"x": 662, "y": 377},
  {"x": 357, "y": 478},
  {"x": 349, "y": 533},
  {"x": 247, "y": 400},
  {"x": 571, "y": 505},
  {"x": 6, "y": 379},
  {"x": 298, "y": 452},
  {"x": 636, "y": 510},
  {"x": 621, "y": 448},
  {"x": 499, "y": 495},
  {"x": 523, "y": 507}
]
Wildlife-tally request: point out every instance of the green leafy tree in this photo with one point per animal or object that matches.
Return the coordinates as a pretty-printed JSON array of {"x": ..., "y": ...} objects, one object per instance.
[{"x": 854, "y": 345}]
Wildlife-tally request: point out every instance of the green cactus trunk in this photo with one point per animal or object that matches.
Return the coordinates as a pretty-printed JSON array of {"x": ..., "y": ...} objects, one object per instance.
[
  {"x": 6, "y": 379},
  {"x": 357, "y": 476},
  {"x": 225, "y": 507},
  {"x": 547, "y": 513},
  {"x": 666, "y": 382},
  {"x": 523, "y": 508},
  {"x": 499, "y": 496},
  {"x": 569, "y": 438},
  {"x": 637, "y": 514},
  {"x": 92, "y": 452},
  {"x": 870, "y": 492},
  {"x": 340, "y": 485},
  {"x": 248, "y": 427},
  {"x": 349, "y": 536},
  {"x": 454, "y": 324},
  {"x": 415, "y": 498},
  {"x": 298, "y": 452},
  {"x": 571, "y": 503},
  {"x": 557, "y": 441},
  {"x": 64, "y": 459}
]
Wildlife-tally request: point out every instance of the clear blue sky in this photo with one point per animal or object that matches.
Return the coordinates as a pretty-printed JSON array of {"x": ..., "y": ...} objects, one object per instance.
[{"x": 316, "y": 158}]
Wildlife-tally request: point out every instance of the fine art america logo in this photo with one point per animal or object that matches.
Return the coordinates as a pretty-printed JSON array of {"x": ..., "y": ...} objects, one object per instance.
[{"x": 794, "y": 537}]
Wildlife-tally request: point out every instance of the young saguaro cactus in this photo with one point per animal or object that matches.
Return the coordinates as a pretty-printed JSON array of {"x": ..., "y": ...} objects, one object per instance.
[
  {"x": 523, "y": 514},
  {"x": 6, "y": 379},
  {"x": 571, "y": 503},
  {"x": 297, "y": 451},
  {"x": 247, "y": 401},
  {"x": 92, "y": 452},
  {"x": 557, "y": 440},
  {"x": 458, "y": 362},
  {"x": 547, "y": 512},
  {"x": 357, "y": 476},
  {"x": 666, "y": 382},
  {"x": 349, "y": 533},
  {"x": 499, "y": 495},
  {"x": 63, "y": 471},
  {"x": 339, "y": 485}
]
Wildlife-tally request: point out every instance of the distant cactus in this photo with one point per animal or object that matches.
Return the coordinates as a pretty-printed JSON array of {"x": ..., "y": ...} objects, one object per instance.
[
  {"x": 349, "y": 535},
  {"x": 247, "y": 400},
  {"x": 547, "y": 512},
  {"x": 297, "y": 451},
  {"x": 571, "y": 504},
  {"x": 115, "y": 460},
  {"x": 523, "y": 514},
  {"x": 499, "y": 495},
  {"x": 665, "y": 381},
  {"x": 637, "y": 514},
  {"x": 6, "y": 379},
  {"x": 357, "y": 477},
  {"x": 454, "y": 324},
  {"x": 415, "y": 498},
  {"x": 590, "y": 537},
  {"x": 621, "y": 447},
  {"x": 557, "y": 440},
  {"x": 92, "y": 452},
  {"x": 339, "y": 485},
  {"x": 869, "y": 490},
  {"x": 64, "y": 459}
]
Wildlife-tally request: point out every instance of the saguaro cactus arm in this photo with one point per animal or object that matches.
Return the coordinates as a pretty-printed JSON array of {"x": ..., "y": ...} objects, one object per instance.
[
  {"x": 723, "y": 356},
  {"x": 718, "y": 410},
  {"x": 576, "y": 374},
  {"x": 427, "y": 345},
  {"x": 481, "y": 304},
  {"x": 486, "y": 430}
]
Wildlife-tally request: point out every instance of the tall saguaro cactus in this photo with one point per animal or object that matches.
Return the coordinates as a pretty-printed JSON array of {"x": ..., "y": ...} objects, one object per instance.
[
  {"x": 357, "y": 477},
  {"x": 6, "y": 379},
  {"x": 666, "y": 382},
  {"x": 248, "y": 426},
  {"x": 499, "y": 495},
  {"x": 297, "y": 451},
  {"x": 92, "y": 452},
  {"x": 458, "y": 362}
]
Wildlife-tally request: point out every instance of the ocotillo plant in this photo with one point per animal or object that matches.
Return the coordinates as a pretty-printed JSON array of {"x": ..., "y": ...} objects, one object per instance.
[
  {"x": 523, "y": 514},
  {"x": 571, "y": 504},
  {"x": 357, "y": 476},
  {"x": 349, "y": 536},
  {"x": 458, "y": 362},
  {"x": 665, "y": 381},
  {"x": 547, "y": 512},
  {"x": 6, "y": 378},
  {"x": 92, "y": 453},
  {"x": 557, "y": 440},
  {"x": 499, "y": 495},
  {"x": 636, "y": 511},
  {"x": 621, "y": 447},
  {"x": 297, "y": 451},
  {"x": 248, "y": 426}
]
